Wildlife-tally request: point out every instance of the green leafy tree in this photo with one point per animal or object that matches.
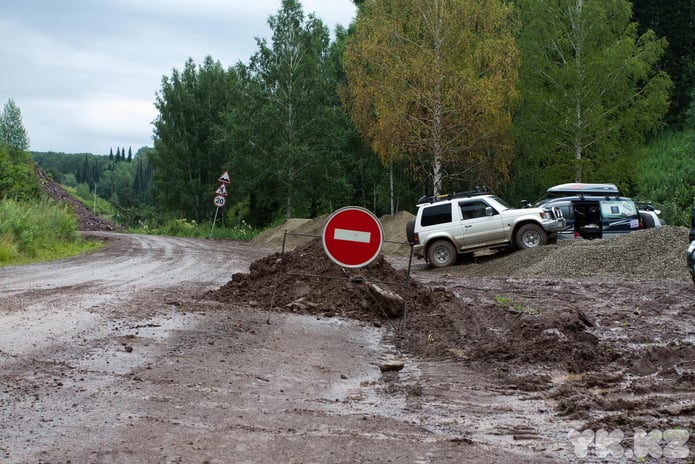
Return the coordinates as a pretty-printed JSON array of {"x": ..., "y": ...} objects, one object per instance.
[
  {"x": 433, "y": 82},
  {"x": 142, "y": 180},
  {"x": 592, "y": 92},
  {"x": 12, "y": 130},
  {"x": 17, "y": 177},
  {"x": 191, "y": 104},
  {"x": 299, "y": 114}
]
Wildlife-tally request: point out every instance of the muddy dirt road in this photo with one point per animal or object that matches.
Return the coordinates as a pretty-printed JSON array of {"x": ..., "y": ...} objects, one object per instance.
[{"x": 123, "y": 357}]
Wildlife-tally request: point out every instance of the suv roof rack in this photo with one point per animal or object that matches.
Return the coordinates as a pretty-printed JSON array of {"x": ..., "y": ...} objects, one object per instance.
[{"x": 451, "y": 196}]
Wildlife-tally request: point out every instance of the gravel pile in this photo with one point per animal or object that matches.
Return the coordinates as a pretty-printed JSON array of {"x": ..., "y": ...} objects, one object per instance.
[{"x": 647, "y": 254}]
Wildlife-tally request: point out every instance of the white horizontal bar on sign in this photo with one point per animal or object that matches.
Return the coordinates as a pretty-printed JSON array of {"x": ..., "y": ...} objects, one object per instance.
[{"x": 352, "y": 235}]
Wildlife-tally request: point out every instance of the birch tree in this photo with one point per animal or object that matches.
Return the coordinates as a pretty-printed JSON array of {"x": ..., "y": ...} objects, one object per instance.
[
  {"x": 12, "y": 131},
  {"x": 433, "y": 82}
]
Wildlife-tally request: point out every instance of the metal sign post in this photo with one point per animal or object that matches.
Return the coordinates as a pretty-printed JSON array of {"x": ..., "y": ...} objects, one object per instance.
[{"x": 220, "y": 198}]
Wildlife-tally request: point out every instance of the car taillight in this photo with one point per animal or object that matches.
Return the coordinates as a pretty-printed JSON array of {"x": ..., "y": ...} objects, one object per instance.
[{"x": 416, "y": 238}]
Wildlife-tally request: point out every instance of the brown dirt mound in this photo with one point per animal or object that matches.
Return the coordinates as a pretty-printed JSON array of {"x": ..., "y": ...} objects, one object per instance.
[
  {"x": 613, "y": 347},
  {"x": 437, "y": 322},
  {"x": 86, "y": 219},
  {"x": 304, "y": 280},
  {"x": 295, "y": 232}
]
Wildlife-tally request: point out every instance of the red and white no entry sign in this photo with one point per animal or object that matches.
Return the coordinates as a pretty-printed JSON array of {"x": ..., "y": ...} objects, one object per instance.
[{"x": 352, "y": 237}]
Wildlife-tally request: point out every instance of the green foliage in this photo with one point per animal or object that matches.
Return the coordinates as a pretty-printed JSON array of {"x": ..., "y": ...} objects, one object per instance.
[
  {"x": 35, "y": 231},
  {"x": 190, "y": 228},
  {"x": 507, "y": 302},
  {"x": 673, "y": 20},
  {"x": 301, "y": 134},
  {"x": 665, "y": 176},
  {"x": 186, "y": 164},
  {"x": 433, "y": 82},
  {"x": 12, "y": 132},
  {"x": 276, "y": 125},
  {"x": 98, "y": 205},
  {"x": 592, "y": 92},
  {"x": 17, "y": 177},
  {"x": 125, "y": 181}
]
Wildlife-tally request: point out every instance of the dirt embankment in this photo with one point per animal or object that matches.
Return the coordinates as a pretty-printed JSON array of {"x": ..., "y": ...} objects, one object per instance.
[{"x": 87, "y": 220}]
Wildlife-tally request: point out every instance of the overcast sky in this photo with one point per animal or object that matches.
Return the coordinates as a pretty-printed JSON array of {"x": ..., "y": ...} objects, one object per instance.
[{"x": 84, "y": 73}]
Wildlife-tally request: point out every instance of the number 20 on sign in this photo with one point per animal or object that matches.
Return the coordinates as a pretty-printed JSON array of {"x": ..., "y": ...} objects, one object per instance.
[{"x": 219, "y": 201}]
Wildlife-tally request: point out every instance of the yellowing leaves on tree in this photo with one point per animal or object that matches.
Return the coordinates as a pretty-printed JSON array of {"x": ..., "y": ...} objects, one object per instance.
[{"x": 434, "y": 81}]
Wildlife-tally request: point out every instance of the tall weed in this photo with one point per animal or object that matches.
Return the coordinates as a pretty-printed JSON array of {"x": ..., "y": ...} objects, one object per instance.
[{"x": 36, "y": 230}]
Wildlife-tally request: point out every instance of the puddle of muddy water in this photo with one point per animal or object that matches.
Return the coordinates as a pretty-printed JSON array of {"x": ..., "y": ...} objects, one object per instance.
[{"x": 453, "y": 410}]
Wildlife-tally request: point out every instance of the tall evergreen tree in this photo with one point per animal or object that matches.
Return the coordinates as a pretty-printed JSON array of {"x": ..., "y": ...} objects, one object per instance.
[
  {"x": 191, "y": 104},
  {"x": 12, "y": 131},
  {"x": 292, "y": 73},
  {"x": 591, "y": 89}
]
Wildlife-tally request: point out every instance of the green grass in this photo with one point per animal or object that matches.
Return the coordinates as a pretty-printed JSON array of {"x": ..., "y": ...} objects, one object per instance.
[
  {"x": 186, "y": 228},
  {"x": 38, "y": 231},
  {"x": 505, "y": 301}
]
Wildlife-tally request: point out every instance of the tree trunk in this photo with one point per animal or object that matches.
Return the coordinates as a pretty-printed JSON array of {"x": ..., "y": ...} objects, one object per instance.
[{"x": 391, "y": 194}]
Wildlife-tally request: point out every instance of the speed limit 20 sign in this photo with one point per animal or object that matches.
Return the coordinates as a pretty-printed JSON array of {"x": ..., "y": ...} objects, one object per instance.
[{"x": 219, "y": 201}]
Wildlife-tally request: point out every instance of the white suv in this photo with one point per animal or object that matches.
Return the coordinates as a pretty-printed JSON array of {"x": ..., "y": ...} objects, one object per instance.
[{"x": 448, "y": 225}]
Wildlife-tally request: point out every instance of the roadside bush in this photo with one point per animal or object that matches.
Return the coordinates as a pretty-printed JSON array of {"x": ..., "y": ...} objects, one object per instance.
[
  {"x": 31, "y": 231},
  {"x": 8, "y": 249},
  {"x": 185, "y": 228},
  {"x": 665, "y": 176}
]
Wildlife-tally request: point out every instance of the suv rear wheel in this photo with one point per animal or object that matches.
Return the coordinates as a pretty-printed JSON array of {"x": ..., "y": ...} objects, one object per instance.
[
  {"x": 530, "y": 236},
  {"x": 410, "y": 231},
  {"x": 442, "y": 253}
]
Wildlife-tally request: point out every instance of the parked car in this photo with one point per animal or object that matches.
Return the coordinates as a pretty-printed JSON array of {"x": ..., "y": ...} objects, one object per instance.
[
  {"x": 597, "y": 211},
  {"x": 448, "y": 225}
]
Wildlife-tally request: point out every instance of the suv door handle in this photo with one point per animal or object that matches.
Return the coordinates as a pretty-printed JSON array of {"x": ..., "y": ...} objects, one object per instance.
[{"x": 468, "y": 226}]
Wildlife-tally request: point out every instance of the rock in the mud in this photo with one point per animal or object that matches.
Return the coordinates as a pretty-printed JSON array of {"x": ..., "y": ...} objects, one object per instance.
[
  {"x": 392, "y": 303},
  {"x": 393, "y": 365}
]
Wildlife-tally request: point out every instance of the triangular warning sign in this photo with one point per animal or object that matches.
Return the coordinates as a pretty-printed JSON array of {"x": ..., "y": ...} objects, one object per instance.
[
  {"x": 224, "y": 178},
  {"x": 221, "y": 190}
]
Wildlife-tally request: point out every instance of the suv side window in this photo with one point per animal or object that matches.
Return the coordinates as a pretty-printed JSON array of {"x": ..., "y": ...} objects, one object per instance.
[
  {"x": 566, "y": 208},
  {"x": 438, "y": 214},
  {"x": 472, "y": 209},
  {"x": 617, "y": 209}
]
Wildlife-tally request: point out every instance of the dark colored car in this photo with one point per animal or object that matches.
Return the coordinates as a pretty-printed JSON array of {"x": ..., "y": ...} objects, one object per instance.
[{"x": 593, "y": 210}]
